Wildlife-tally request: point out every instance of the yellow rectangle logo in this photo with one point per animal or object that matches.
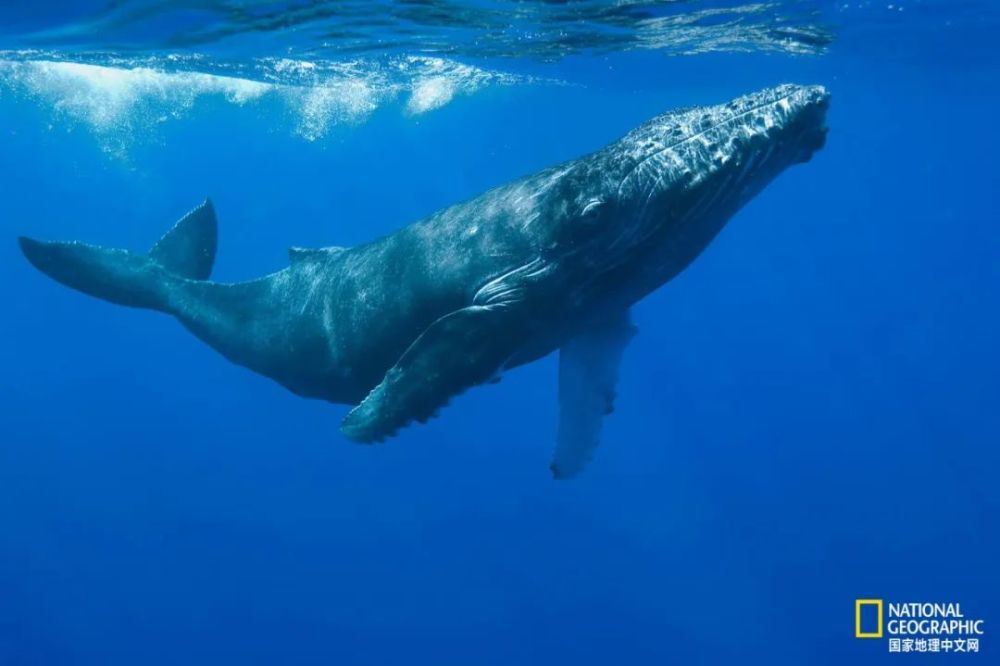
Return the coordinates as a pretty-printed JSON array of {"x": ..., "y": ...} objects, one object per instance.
[{"x": 858, "y": 604}]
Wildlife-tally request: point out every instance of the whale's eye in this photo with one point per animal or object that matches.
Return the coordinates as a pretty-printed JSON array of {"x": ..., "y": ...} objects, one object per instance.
[{"x": 592, "y": 208}]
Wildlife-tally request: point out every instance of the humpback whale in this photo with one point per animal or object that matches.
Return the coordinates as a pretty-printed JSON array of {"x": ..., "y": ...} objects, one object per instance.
[{"x": 552, "y": 261}]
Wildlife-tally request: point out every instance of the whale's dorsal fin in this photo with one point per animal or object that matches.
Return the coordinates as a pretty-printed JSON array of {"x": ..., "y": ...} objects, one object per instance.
[
  {"x": 298, "y": 254},
  {"x": 588, "y": 374}
]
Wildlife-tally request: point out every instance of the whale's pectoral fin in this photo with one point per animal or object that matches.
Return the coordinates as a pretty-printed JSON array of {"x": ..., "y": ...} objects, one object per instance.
[
  {"x": 588, "y": 374},
  {"x": 458, "y": 351}
]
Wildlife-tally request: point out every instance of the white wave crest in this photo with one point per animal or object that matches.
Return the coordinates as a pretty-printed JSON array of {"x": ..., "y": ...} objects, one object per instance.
[
  {"x": 319, "y": 108},
  {"x": 430, "y": 93},
  {"x": 120, "y": 101}
]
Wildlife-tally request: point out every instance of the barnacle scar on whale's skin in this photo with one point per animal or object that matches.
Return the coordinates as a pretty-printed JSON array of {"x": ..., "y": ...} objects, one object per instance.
[{"x": 552, "y": 261}]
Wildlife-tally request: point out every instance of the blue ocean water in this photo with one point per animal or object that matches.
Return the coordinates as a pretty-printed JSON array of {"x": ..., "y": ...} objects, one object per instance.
[{"x": 808, "y": 415}]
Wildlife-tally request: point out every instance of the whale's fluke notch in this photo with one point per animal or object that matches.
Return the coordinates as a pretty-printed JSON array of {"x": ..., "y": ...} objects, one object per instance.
[
  {"x": 188, "y": 249},
  {"x": 588, "y": 375},
  {"x": 129, "y": 278},
  {"x": 457, "y": 352}
]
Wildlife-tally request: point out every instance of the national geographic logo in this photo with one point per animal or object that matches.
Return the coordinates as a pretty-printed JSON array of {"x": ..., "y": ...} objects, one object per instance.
[
  {"x": 859, "y": 632},
  {"x": 918, "y": 626}
]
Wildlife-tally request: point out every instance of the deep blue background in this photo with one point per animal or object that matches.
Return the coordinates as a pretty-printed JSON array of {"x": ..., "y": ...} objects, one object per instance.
[{"x": 808, "y": 415}]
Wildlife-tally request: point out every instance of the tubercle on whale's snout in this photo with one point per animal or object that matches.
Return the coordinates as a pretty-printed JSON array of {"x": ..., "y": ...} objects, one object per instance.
[
  {"x": 789, "y": 117},
  {"x": 816, "y": 94},
  {"x": 797, "y": 95},
  {"x": 796, "y": 116}
]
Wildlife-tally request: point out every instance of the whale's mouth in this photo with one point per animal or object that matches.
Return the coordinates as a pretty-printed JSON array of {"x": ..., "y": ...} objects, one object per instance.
[
  {"x": 800, "y": 112},
  {"x": 812, "y": 121}
]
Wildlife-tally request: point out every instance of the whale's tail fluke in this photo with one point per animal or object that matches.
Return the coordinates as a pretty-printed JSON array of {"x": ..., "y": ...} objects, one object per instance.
[
  {"x": 188, "y": 249},
  {"x": 131, "y": 278}
]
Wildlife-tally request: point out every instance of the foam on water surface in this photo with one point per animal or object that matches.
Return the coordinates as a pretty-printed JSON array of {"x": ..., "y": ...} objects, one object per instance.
[{"x": 121, "y": 99}]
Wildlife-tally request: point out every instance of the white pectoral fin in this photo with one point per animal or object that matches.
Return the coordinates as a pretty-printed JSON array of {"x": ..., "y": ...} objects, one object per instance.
[{"x": 588, "y": 374}]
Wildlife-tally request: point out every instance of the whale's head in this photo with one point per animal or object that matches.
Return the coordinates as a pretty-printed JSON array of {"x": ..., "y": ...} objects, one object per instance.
[
  {"x": 709, "y": 161},
  {"x": 731, "y": 149},
  {"x": 681, "y": 175}
]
